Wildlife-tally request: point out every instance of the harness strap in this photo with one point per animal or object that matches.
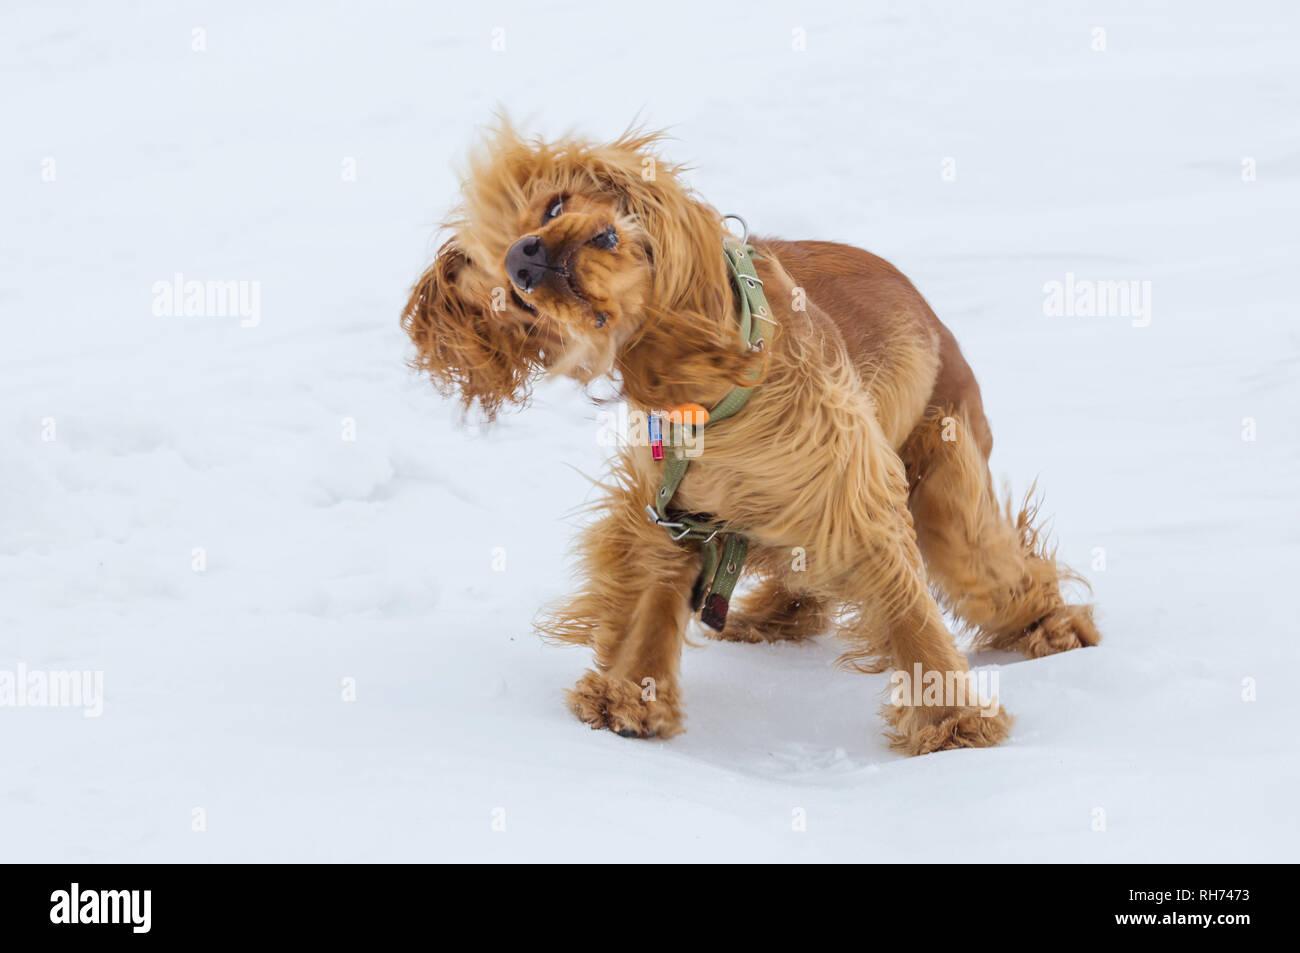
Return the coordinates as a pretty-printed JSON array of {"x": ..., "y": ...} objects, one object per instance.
[
  {"x": 722, "y": 552},
  {"x": 726, "y": 572}
]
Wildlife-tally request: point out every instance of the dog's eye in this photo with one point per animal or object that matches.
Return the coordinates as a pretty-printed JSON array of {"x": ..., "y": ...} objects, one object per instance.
[{"x": 554, "y": 210}]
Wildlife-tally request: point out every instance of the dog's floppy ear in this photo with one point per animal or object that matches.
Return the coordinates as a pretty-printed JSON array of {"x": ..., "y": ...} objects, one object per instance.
[
  {"x": 683, "y": 235},
  {"x": 466, "y": 349},
  {"x": 689, "y": 344}
]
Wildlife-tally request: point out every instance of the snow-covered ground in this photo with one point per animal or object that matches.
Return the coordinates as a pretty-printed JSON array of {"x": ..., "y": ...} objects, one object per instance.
[{"x": 130, "y": 439}]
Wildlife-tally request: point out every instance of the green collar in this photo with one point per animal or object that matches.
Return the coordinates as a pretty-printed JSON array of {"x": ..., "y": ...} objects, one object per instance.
[{"x": 753, "y": 312}]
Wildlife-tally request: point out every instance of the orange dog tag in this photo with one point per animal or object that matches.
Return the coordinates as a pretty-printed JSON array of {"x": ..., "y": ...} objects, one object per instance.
[{"x": 691, "y": 414}]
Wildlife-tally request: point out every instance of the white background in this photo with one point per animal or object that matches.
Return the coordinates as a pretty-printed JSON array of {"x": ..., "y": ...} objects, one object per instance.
[{"x": 372, "y": 559}]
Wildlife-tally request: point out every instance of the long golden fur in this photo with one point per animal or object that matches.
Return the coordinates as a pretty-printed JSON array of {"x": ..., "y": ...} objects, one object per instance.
[{"x": 858, "y": 469}]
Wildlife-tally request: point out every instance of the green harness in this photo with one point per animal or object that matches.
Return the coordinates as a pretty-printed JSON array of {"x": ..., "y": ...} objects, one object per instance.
[{"x": 722, "y": 551}]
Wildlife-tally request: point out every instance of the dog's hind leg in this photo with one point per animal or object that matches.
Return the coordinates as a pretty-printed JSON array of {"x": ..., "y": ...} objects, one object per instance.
[
  {"x": 855, "y": 527},
  {"x": 991, "y": 566},
  {"x": 772, "y": 612},
  {"x": 632, "y": 610},
  {"x": 935, "y": 703}
]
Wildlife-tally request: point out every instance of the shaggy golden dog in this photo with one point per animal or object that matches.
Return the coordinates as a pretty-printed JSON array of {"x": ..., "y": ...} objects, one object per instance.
[{"x": 857, "y": 471}]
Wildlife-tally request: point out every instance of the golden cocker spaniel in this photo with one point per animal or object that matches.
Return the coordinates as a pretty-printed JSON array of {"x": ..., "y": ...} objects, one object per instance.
[{"x": 856, "y": 473}]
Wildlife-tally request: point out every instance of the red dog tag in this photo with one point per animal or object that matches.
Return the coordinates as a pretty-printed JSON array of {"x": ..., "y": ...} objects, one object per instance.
[{"x": 656, "y": 436}]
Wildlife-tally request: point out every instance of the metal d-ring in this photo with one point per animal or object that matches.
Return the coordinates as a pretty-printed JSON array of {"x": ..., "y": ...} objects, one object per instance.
[{"x": 743, "y": 224}]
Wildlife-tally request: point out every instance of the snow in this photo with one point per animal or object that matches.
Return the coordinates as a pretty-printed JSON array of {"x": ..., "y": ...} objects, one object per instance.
[{"x": 379, "y": 559}]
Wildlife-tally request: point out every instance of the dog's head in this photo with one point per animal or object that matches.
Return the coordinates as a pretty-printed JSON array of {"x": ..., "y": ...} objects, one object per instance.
[{"x": 565, "y": 256}]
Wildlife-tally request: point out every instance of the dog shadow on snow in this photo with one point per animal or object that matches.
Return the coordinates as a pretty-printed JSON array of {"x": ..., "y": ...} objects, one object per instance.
[{"x": 786, "y": 711}]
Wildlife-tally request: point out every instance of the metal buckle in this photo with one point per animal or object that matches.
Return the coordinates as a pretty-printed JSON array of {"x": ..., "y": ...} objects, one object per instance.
[
  {"x": 670, "y": 526},
  {"x": 666, "y": 524},
  {"x": 654, "y": 518}
]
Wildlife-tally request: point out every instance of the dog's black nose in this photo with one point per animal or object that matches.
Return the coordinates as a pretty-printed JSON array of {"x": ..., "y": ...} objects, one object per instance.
[{"x": 527, "y": 263}]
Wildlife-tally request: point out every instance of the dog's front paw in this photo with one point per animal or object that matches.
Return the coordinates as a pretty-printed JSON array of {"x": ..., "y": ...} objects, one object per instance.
[
  {"x": 626, "y": 708},
  {"x": 1062, "y": 629},
  {"x": 922, "y": 730}
]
